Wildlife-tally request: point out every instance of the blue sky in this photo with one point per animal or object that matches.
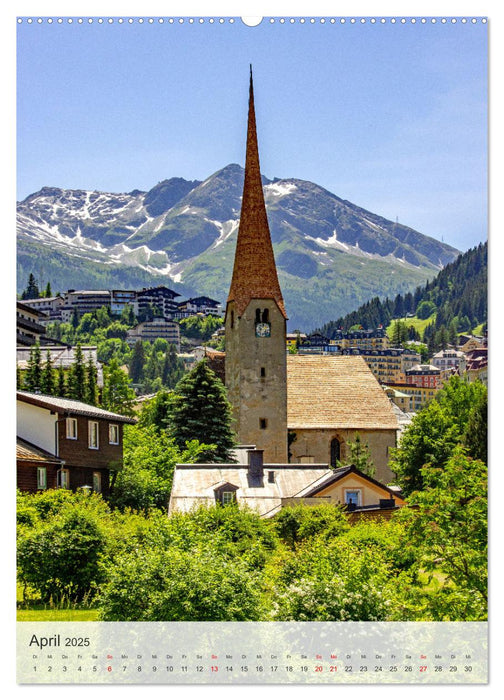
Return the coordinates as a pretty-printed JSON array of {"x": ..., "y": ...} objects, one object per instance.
[{"x": 391, "y": 116}]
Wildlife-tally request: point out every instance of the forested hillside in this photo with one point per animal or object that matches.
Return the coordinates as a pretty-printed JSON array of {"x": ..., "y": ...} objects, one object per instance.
[{"x": 456, "y": 299}]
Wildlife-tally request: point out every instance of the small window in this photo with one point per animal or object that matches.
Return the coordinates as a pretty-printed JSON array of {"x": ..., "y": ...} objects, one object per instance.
[
  {"x": 232, "y": 319},
  {"x": 97, "y": 482},
  {"x": 41, "y": 478},
  {"x": 71, "y": 428},
  {"x": 228, "y": 497},
  {"x": 263, "y": 423},
  {"x": 93, "y": 443},
  {"x": 353, "y": 497},
  {"x": 63, "y": 479},
  {"x": 263, "y": 371},
  {"x": 113, "y": 434},
  {"x": 265, "y": 316},
  {"x": 258, "y": 316}
]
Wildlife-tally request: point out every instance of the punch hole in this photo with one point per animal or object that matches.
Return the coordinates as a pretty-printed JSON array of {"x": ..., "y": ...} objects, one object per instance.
[{"x": 252, "y": 21}]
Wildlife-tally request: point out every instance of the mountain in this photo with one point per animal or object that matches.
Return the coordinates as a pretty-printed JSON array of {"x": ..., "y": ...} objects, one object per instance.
[
  {"x": 331, "y": 254},
  {"x": 458, "y": 295}
]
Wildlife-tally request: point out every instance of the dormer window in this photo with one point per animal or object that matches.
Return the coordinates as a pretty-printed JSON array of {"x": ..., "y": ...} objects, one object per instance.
[{"x": 225, "y": 494}]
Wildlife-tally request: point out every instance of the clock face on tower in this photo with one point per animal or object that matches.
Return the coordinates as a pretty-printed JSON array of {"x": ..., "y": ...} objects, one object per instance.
[{"x": 263, "y": 330}]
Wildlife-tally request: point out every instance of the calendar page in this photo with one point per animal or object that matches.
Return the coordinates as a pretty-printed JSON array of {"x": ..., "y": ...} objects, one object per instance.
[{"x": 252, "y": 350}]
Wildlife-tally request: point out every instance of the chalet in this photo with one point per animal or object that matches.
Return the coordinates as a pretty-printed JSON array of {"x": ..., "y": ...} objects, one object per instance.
[
  {"x": 266, "y": 488},
  {"x": 67, "y": 444}
]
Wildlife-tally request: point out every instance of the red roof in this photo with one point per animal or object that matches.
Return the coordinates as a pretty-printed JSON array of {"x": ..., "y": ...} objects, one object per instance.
[{"x": 254, "y": 273}]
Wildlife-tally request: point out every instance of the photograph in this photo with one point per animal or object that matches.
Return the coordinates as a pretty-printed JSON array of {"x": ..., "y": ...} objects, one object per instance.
[{"x": 252, "y": 349}]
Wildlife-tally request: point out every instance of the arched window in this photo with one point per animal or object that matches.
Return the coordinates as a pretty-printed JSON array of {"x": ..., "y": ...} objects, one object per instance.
[
  {"x": 265, "y": 316},
  {"x": 335, "y": 452},
  {"x": 258, "y": 316}
]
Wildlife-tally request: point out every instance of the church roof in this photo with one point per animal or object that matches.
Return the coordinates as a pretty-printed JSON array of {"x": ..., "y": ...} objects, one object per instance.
[
  {"x": 325, "y": 391},
  {"x": 254, "y": 272}
]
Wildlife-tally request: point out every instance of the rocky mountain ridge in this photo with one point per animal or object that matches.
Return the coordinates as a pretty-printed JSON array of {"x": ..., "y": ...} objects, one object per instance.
[{"x": 331, "y": 254}]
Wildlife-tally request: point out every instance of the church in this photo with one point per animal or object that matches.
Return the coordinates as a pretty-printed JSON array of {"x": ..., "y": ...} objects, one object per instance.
[{"x": 299, "y": 411}]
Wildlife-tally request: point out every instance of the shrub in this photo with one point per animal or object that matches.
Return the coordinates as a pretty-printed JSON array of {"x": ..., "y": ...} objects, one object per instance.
[
  {"x": 64, "y": 557},
  {"x": 297, "y": 523},
  {"x": 172, "y": 584}
]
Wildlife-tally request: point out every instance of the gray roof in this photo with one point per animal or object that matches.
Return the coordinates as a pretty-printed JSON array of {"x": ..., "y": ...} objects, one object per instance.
[
  {"x": 71, "y": 406},
  {"x": 195, "y": 484}
]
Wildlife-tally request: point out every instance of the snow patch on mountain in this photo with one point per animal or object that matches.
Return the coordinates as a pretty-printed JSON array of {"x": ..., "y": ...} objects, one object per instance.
[
  {"x": 331, "y": 242},
  {"x": 280, "y": 189},
  {"x": 226, "y": 229}
]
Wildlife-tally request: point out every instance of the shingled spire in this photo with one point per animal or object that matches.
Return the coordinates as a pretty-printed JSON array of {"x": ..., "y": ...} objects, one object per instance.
[{"x": 254, "y": 272}]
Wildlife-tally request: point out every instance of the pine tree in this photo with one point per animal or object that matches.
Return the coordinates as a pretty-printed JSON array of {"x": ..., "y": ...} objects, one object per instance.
[
  {"x": 76, "y": 384},
  {"x": 61, "y": 388},
  {"x": 48, "y": 291},
  {"x": 47, "y": 376},
  {"x": 75, "y": 318},
  {"x": 91, "y": 395},
  {"x": 117, "y": 394},
  {"x": 32, "y": 290},
  {"x": 33, "y": 378},
  {"x": 201, "y": 411},
  {"x": 19, "y": 379},
  {"x": 137, "y": 362}
]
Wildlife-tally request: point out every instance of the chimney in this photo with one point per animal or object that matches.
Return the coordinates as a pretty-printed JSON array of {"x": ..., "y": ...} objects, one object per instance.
[{"x": 255, "y": 463}]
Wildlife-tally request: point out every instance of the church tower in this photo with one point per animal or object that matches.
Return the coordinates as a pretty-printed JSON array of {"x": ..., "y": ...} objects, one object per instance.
[{"x": 256, "y": 363}]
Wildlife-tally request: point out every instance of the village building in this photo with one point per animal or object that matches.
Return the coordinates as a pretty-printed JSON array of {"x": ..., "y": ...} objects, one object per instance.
[
  {"x": 62, "y": 356},
  {"x": 446, "y": 359},
  {"x": 420, "y": 395},
  {"x": 266, "y": 488},
  {"x": 159, "y": 298},
  {"x": 158, "y": 327},
  {"x": 29, "y": 325},
  {"x": 120, "y": 299},
  {"x": 83, "y": 301},
  {"x": 199, "y": 305},
  {"x": 424, "y": 376},
  {"x": 477, "y": 365},
  {"x": 387, "y": 365},
  {"x": 62, "y": 443},
  {"x": 50, "y": 306},
  {"x": 364, "y": 339}
]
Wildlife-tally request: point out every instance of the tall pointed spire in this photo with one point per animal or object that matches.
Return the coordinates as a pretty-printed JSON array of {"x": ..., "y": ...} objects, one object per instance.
[{"x": 254, "y": 272}]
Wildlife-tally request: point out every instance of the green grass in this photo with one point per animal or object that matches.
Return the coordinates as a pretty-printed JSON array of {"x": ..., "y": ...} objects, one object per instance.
[
  {"x": 419, "y": 324},
  {"x": 32, "y": 609},
  {"x": 57, "y": 615}
]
